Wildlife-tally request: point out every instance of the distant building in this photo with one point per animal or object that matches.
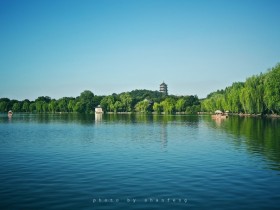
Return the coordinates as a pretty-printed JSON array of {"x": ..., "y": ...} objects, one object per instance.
[
  {"x": 98, "y": 110},
  {"x": 163, "y": 88}
]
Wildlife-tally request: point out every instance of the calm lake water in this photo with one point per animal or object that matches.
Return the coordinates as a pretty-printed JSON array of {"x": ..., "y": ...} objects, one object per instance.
[{"x": 71, "y": 161}]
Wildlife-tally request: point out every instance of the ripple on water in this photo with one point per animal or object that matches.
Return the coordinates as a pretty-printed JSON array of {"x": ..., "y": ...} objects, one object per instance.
[{"x": 57, "y": 163}]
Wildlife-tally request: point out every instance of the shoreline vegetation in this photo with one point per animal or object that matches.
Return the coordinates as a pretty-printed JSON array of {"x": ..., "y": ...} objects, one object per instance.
[
  {"x": 258, "y": 96},
  {"x": 162, "y": 113}
]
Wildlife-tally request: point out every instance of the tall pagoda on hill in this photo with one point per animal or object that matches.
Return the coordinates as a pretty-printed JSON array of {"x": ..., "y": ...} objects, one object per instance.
[{"x": 163, "y": 88}]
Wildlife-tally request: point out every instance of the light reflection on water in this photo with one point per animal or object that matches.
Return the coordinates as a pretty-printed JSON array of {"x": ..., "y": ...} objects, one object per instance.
[{"x": 64, "y": 161}]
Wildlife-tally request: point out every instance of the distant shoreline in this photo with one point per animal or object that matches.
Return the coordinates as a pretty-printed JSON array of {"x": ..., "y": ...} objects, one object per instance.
[
  {"x": 155, "y": 113},
  {"x": 246, "y": 115}
]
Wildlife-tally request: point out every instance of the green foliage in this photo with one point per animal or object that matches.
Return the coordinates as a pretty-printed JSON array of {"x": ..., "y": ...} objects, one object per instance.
[
  {"x": 193, "y": 109},
  {"x": 137, "y": 100},
  {"x": 25, "y": 106},
  {"x": 272, "y": 89},
  {"x": 180, "y": 105},
  {"x": 168, "y": 105},
  {"x": 16, "y": 107},
  {"x": 63, "y": 104},
  {"x": 142, "y": 106},
  {"x": 45, "y": 107},
  {"x": 259, "y": 94},
  {"x": 191, "y": 100},
  {"x": 140, "y": 95},
  {"x": 71, "y": 105},
  {"x": 53, "y": 106},
  {"x": 97, "y": 100},
  {"x": 46, "y": 99},
  {"x": 79, "y": 107},
  {"x": 126, "y": 101},
  {"x": 32, "y": 107},
  {"x": 107, "y": 103},
  {"x": 39, "y": 106},
  {"x": 118, "y": 107},
  {"x": 157, "y": 107},
  {"x": 4, "y": 106},
  {"x": 232, "y": 97},
  {"x": 216, "y": 101},
  {"x": 86, "y": 102}
]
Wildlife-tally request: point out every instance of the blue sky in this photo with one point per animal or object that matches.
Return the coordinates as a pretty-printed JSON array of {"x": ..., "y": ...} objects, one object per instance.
[{"x": 60, "y": 48}]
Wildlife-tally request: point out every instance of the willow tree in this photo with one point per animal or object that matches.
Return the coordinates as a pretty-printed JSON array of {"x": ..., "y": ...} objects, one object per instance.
[
  {"x": 142, "y": 106},
  {"x": 126, "y": 101},
  {"x": 157, "y": 107},
  {"x": 168, "y": 105},
  {"x": 180, "y": 105},
  {"x": 272, "y": 89},
  {"x": 232, "y": 97},
  {"x": 25, "y": 106},
  {"x": 107, "y": 103}
]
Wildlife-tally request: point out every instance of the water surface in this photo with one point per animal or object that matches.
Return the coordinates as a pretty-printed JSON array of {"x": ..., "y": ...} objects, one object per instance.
[{"x": 71, "y": 161}]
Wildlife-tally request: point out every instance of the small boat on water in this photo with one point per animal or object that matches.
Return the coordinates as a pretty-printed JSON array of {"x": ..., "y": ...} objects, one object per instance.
[
  {"x": 219, "y": 115},
  {"x": 10, "y": 113}
]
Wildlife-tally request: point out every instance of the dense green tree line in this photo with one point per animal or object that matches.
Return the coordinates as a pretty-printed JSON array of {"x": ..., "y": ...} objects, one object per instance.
[
  {"x": 84, "y": 103},
  {"x": 136, "y": 100},
  {"x": 149, "y": 101},
  {"x": 259, "y": 94}
]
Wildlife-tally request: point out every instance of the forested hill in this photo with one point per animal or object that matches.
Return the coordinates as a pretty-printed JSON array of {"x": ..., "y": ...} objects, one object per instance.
[
  {"x": 259, "y": 94},
  {"x": 140, "y": 95}
]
